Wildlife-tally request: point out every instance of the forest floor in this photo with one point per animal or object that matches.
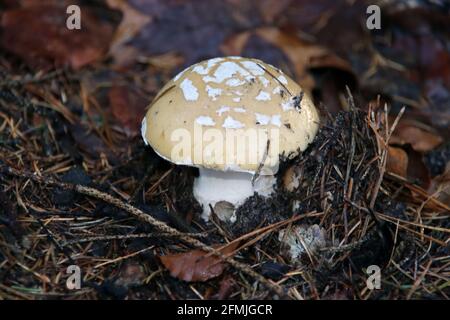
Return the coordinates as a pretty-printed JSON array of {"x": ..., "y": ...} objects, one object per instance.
[{"x": 78, "y": 186}]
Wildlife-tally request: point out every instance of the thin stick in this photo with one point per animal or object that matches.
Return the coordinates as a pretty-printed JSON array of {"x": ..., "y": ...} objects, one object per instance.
[
  {"x": 123, "y": 257},
  {"x": 383, "y": 154},
  {"x": 124, "y": 237}
]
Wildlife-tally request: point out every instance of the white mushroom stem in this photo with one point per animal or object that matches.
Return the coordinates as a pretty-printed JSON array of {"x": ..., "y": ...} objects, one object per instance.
[{"x": 212, "y": 186}]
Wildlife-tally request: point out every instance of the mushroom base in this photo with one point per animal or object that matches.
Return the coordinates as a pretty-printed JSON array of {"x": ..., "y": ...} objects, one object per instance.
[{"x": 226, "y": 191}]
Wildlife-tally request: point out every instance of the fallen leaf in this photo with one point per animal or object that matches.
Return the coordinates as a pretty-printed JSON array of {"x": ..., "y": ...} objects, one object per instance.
[
  {"x": 89, "y": 141},
  {"x": 194, "y": 29},
  {"x": 132, "y": 23},
  {"x": 270, "y": 9},
  {"x": 302, "y": 54},
  {"x": 417, "y": 171},
  {"x": 165, "y": 62},
  {"x": 421, "y": 140},
  {"x": 313, "y": 16},
  {"x": 440, "y": 186},
  {"x": 196, "y": 265},
  {"x": 234, "y": 45},
  {"x": 128, "y": 107},
  {"x": 38, "y": 34},
  {"x": 397, "y": 161}
]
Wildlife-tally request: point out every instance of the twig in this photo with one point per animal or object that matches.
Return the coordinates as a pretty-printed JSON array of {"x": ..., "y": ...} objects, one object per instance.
[
  {"x": 123, "y": 257},
  {"x": 35, "y": 79},
  {"x": 261, "y": 164},
  {"x": 276, "y": 79},
  {"x": 125, "y": 237},
  {"x": 383, "y": 154}
]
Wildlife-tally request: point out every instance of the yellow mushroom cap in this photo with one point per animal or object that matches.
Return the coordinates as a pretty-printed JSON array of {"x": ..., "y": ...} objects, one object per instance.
[{"x": 196, "y": 116}]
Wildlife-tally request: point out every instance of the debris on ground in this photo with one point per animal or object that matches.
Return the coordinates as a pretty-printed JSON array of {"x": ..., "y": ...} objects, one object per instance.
[{"x": 78, "y": 186}]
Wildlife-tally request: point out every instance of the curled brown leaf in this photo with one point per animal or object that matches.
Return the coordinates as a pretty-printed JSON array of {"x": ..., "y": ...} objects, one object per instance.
[
  {"x": 196, "y": 265},
  {"x": 132, "y": 23},
  {"x": 397, "y": 161},
  {"x": 38, "y": 34},
  {"x": 419, "y": 138},
  {"x": 302, "y": 54}
]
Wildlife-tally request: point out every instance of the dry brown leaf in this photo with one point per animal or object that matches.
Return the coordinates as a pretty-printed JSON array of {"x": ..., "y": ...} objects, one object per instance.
[
  {"x": 167, "y": 61},
  {"x": 420, "y": 139},
  {"x": 37, "y": 35},
  {"x": 132, "y": 22},
  {"x": 234, "y": 45},
  {"x": 270, "y": 9},
  {"x": 298, "y": 52},
  {"x": 397, "y": 161},
  {"x": 88, "y": 141},
  {"x": 440, "y": 186},
  {"x": 196, "y": 265},
  {"x": 417, "y": 171},
  {"x": 128, "y": 107},
  {"x": 303, "y": 55}
]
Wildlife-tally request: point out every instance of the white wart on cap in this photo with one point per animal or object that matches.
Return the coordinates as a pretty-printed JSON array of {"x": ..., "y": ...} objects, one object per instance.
[{"x": 196, "y": 116}]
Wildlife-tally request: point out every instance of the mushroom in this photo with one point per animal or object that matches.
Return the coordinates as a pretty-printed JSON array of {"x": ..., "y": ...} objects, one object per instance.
[{"x": 232, "y": 117}]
